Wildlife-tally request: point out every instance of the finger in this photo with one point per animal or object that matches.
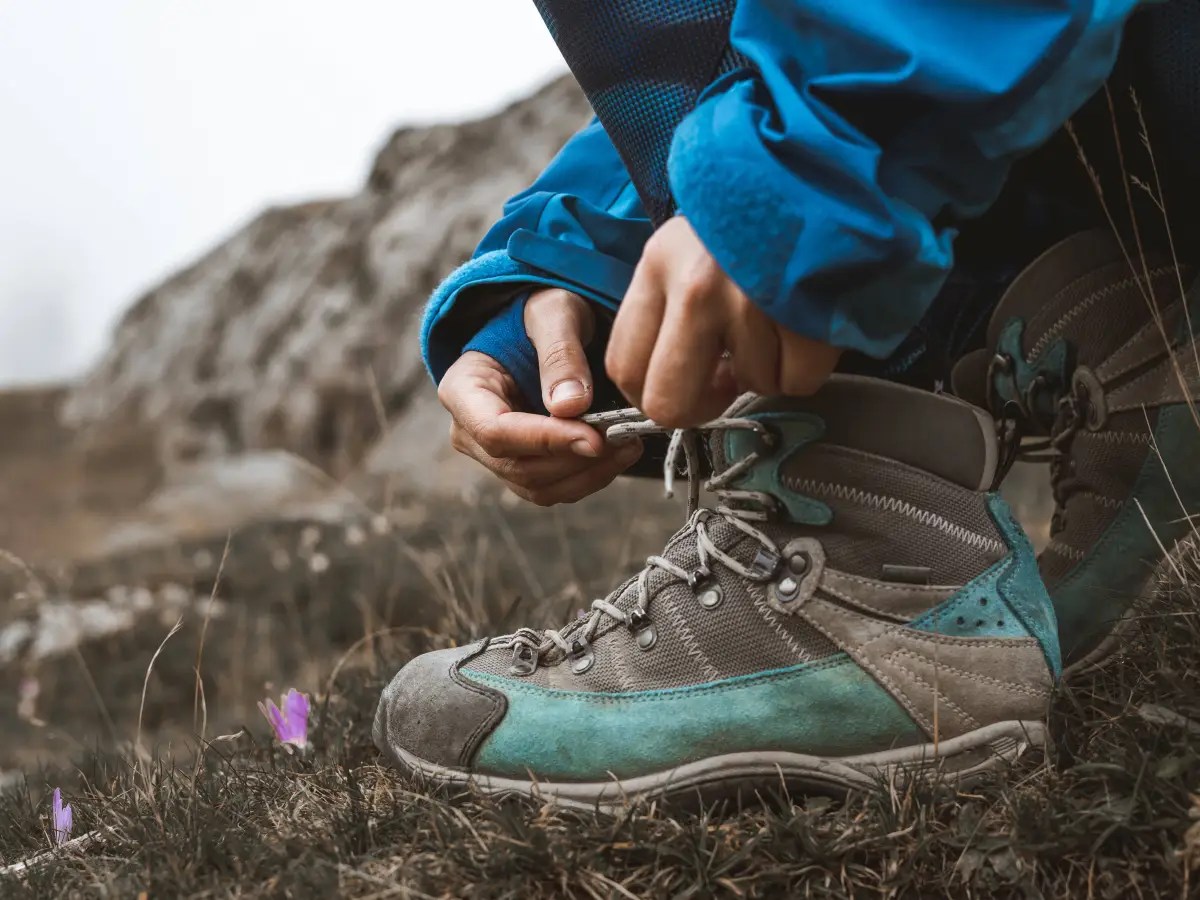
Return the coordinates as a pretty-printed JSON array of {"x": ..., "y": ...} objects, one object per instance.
[
  {"x": 517, "y": 434},
  {"x": 724, "y": 386},
  {"x": 576, "y": 487},
  {"x": 477, "y": 400},
  {"x": 530, "y": 471},
  {"x": 677, "y": 391},
  {"x": 560, "y": 324},
  {"x": 804, "y": 364},
  {"x": 753, "y": 341},
  {"x": 635, "y": 330}
]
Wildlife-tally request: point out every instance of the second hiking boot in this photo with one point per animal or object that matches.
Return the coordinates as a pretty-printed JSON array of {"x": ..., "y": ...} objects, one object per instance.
[
  {"x": 1097, "y": 357},
  {"x": 858, "y": 607}
]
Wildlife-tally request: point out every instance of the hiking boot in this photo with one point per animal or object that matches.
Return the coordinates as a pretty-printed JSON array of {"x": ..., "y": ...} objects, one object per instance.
[
  {"x": 858, "y": 607},
  {"x": 1077, "y": 358}
]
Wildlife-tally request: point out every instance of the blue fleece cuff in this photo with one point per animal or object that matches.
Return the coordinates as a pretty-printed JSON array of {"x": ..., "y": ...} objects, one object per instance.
[
  {"x": 492, "y": 279},
  {"x": 855, "y": 271},
  {"x": 504, "y": 339}
]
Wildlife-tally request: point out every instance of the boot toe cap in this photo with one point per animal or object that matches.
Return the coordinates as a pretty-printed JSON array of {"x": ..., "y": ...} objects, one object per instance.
[{"x": 431, "y": 712}]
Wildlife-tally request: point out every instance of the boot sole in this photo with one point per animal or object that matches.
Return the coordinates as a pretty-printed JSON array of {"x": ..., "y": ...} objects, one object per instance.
[{"x": 959, "y": 761}]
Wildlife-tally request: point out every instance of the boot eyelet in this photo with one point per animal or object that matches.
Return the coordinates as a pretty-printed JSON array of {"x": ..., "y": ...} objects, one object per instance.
[
  {"x": 581, "y": 658},
  {"x": 798, "y": 564},
  {"x": 710, "y": 595},
  {"x": 1087, "y": 388},
  {"x": 643, "y": 630},
  {"x": 524, "y": 661},
  {"x": 787, "y": 589},
  {"x": 800, "y": 570}
]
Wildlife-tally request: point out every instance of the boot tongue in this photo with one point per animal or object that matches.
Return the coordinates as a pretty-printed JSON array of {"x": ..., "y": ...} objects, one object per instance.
[
  {"x": 936, "y": 433},
  {"x": 968, "y": 379}
]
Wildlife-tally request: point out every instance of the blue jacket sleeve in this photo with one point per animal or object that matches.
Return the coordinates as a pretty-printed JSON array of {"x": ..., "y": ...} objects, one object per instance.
[
  {"x": 580, "y": 226},
  {"x": 862, "y": 133}
]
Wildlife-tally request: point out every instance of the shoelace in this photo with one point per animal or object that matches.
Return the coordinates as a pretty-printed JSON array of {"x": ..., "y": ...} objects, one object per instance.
[
  {"x": 1070, "y": 414},
  {"x": 739, "y": 509}
]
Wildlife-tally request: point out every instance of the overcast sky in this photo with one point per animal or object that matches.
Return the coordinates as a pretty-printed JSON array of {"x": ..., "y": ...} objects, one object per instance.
[{"x": 136, "y": 133}]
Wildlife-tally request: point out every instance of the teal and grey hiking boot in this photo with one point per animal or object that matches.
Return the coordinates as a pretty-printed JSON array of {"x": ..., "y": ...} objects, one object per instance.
[
  {"x": 1077, "y": 358},
  {"x": 859, "y": 606}
]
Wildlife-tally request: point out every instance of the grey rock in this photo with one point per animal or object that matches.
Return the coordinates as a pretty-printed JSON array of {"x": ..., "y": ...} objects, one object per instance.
[{"x": 301, "y": 329}]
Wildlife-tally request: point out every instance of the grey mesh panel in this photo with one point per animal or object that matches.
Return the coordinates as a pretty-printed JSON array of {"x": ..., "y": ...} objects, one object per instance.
[
  {"x": 741, "y": 636},
  {"x": 1109, "y": 461},
  {"x": 1056, "y": 562},
  {"x": 493, "y": 661},
  {"x": 885, "y": 513},
  {"x": 1087, "y": 517}
]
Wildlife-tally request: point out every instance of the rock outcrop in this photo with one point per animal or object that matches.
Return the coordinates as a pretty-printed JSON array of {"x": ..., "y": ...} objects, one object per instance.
[{"x": 300, "y": 331}]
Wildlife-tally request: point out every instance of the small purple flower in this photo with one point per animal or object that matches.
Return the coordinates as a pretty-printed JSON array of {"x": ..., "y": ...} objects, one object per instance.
[
  {"x": 290, "y": 723},
  {"x": 63, "y": 818}
]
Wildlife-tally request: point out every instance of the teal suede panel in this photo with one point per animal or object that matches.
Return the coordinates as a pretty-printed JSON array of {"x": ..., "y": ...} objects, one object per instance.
[
  {"x": 797, "y": 431},
  {"x": 976, "y": 611},
  {"x": 826, "y": 708},
  {"x": 1104, "y": 585},
  {"x": 1053, "y": 365},
  {"x": 1022, "y": 587},
  {"x": 1009, "y": 600}
]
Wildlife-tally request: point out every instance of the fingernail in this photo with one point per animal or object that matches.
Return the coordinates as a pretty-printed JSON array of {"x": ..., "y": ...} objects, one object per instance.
[
  {"x": 581, "y": 447},
  {"x": 567, "y": 390}
]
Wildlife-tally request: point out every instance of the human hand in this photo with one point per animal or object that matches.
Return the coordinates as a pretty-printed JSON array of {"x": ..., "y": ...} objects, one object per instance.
[
  {"x": 686, "y": 339},
  {"x": 543, "y": 459}
]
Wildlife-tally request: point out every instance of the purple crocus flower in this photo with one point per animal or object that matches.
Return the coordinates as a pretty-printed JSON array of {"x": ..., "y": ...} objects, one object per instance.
[
  {"x": 63, "y": 818},
  {"x": 291, "y": 722}
]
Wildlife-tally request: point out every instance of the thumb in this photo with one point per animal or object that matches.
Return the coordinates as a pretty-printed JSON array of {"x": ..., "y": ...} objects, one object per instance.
[{"x": 560, "y": 324}]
